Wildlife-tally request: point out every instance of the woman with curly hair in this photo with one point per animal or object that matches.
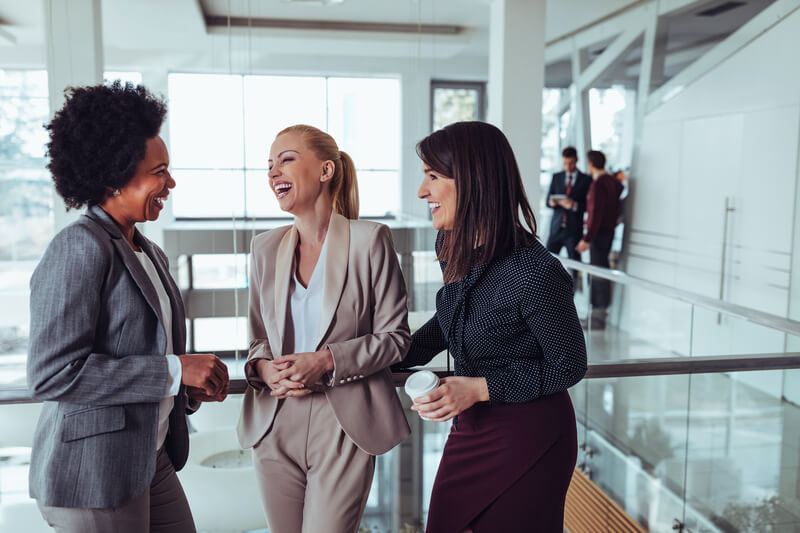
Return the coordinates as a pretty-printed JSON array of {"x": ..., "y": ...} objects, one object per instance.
[{"x": 106, "y": 324}]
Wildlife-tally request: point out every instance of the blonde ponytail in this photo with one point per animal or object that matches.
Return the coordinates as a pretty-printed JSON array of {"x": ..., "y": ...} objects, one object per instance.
[
  {"x": 343, "y": 184},
  {"x": 345, "y": 189}
]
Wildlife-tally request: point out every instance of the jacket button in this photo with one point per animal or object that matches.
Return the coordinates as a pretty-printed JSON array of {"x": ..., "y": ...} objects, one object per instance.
[{"x": 341, "y": 381}]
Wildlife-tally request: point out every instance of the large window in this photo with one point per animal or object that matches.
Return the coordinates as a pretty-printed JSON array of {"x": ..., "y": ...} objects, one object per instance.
[
  {"x": 221, "y": 128},
  {"x": 26, "y": 205}
]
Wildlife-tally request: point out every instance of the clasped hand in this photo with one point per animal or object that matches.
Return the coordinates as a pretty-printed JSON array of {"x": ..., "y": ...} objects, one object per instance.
[
  {"x": 296, "y": 374},
  {"x": 205, "y": 376}
]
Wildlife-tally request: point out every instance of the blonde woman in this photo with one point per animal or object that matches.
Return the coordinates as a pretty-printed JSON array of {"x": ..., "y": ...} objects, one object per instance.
[{"x": 327, "y": 318}]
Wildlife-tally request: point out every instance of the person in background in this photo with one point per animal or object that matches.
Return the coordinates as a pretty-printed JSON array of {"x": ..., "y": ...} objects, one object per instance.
[
  {"x": 107, "y": 321},
  {"x": 603, "y": 210},
  {"x": 567, "y": 198},
  {"x": 507, "y": 316},
  {"x": 327, "y": 318}
]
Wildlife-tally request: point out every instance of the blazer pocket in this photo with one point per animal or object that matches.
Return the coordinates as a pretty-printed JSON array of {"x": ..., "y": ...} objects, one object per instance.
[{"x": 92, "y": 421}]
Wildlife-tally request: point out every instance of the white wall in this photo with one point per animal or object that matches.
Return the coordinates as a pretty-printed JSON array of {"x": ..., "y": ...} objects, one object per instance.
[{"x": 732, "y": 133}]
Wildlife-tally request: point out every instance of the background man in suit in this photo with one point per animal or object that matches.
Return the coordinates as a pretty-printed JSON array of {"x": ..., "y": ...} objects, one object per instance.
[{"x": 567, "y": 198}]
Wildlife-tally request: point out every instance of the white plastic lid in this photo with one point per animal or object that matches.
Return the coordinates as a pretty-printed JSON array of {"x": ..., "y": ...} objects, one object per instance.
[{"x": 420, "y": 383}]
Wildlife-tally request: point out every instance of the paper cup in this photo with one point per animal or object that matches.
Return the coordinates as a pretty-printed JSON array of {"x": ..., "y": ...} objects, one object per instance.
[{"x": 421, "y": 383}]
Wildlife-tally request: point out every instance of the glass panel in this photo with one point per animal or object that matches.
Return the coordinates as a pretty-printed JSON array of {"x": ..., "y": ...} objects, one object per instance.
[
  {"x": 274, "y": 102},
  {"x": 205, "y": 122},
  {"x": 743, "y": 457},
  {"x": 638, "y": 324},
  {"x": 715, "y": 334},
  {"x": 364, "y": 118},
  {"x": 208, "y": 193},
  {"x": 635, "y": 433},
  {"x": 18, "y": 512}
]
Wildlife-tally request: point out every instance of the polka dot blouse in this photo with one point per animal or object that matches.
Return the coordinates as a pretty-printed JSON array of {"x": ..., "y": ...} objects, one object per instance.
[{"x": 511, "y": 321}]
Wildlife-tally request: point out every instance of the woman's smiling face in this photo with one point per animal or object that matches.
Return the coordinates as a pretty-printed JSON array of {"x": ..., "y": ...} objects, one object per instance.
[
  {"x": 142, "y": 198},
  {"x": 440, "y": 192},
  {"x": 294, "y": 173}
]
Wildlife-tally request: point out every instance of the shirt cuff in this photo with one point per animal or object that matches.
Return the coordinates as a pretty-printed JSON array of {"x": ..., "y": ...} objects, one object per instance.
[
  {"x": 330, "y": 377},
  {"x": 175, "y": 375}
]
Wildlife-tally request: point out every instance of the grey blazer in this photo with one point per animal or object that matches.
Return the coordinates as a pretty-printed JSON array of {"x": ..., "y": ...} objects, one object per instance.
[{"x": 96, "y": 359}]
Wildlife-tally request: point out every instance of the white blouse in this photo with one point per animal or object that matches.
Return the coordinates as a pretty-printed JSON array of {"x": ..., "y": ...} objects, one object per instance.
[
  {"x": 306, "y": 304},
  {"x": 173, "y": 362}
]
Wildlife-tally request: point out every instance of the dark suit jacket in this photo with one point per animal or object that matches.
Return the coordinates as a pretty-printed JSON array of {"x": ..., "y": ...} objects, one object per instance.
[
  {"x": 96, "y": 358},
  {"x": 580, "y": 188}
]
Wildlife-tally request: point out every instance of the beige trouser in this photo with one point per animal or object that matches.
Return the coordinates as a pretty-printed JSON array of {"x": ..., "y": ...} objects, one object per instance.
[
  {"x": 313, "y": 478},
  {"x": 162, "y": 509}
]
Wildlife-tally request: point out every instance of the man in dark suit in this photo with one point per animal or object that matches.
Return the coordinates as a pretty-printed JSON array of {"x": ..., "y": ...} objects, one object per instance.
[{"x": 567, "y": 198}]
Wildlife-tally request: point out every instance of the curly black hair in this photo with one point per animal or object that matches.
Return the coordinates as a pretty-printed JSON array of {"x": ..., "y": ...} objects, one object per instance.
[{"x": 98, "y": 138}]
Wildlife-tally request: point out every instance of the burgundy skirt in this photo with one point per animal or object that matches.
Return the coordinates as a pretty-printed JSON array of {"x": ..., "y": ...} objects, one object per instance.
[{"x": 506, "y": 468}]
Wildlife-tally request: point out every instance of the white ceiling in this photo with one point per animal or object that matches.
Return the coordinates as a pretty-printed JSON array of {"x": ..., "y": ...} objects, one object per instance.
[
  {"x": 139, "y": 34},
  {"x": 167, "y": 25}
]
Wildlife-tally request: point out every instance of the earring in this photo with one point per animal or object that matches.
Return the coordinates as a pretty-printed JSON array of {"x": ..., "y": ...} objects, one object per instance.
[{"x": 115, "y": 193}]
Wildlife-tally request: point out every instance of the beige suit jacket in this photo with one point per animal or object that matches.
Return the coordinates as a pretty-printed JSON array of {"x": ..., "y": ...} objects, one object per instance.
[{"x": 363, "y": 322}]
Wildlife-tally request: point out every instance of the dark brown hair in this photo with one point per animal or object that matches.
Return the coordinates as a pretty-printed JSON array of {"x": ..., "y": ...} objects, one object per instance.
[
  {"x": 570, "y": 153},
  {"x": 344, "y": 186},
  {"x": 597, "y": 159},
  {"x": 490, "y": 198}
]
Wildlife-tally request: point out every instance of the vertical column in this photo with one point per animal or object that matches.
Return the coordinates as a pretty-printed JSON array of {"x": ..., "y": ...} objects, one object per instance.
[
  {"x": 416, "y": 94},
  {"x": 74, "y": 40},
  {"x": 581, "y": 121},
  {"x": 516, "y": 80}
]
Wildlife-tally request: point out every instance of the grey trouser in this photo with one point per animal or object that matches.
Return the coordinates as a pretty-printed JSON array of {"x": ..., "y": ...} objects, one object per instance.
[
  {"x": 313, "y": 478},
  {"x": 162, "y": 509}
]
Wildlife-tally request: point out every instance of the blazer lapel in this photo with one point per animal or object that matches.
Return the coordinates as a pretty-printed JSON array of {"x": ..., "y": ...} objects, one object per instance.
[
  {"x": 284, "y": 263},
  {"x": 129, "y": 258},
  {"x": 336, "y": 260}
]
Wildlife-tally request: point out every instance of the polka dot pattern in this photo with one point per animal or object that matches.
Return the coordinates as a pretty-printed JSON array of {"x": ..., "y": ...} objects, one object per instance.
[{"x": 512, "y": 321}]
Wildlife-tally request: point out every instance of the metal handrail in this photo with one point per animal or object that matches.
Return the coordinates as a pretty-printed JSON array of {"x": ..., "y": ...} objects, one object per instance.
[
  {"x": 776, "y": 322},
  {"x": 620, "y": 368}
]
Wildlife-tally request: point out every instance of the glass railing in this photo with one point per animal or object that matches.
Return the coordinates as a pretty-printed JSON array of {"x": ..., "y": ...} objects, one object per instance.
[
  {"x": 701, "y": 443},
  {"x": 687, "y": 418}
]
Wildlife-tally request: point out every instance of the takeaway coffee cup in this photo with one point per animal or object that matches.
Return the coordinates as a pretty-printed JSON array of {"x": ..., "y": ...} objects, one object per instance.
[{"x": 421, "y": 383}]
